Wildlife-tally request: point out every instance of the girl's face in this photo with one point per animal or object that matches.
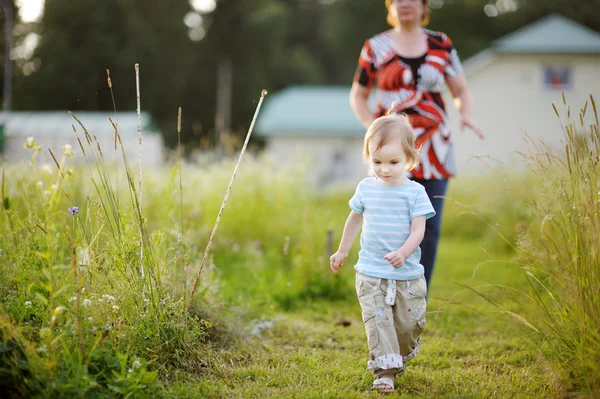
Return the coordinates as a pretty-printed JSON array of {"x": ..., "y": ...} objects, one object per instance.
[
  {"x": 407, "y": 11},
  {"x": 389, "y": 163}
]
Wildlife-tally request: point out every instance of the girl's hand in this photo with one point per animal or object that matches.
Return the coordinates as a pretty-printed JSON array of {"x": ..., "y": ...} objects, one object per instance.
[
  {"x": 337, "y": 260},
  {"x": 395, "y": 258},
  {"x": 467, "y": 121}
]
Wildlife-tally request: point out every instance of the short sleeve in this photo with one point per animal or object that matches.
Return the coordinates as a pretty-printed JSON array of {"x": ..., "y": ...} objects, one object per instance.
[
  {"x": 453, "y": 64},
  {"x": 365, "y": 72},
  {"x": 355, "y": 202},
  {"x": 422, "y": 205}
]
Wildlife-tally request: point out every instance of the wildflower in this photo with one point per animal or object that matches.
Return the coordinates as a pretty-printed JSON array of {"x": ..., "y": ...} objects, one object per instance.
[
  {"x": 74, "y": 210},
  {"x": 46, "y": 168},
  {"x": 108, "y": 298},
  {"x": 28, "y": 303},
  {"x": 67, "y": 150},
  {"x": 115, "y": 308},
  {"x": 54, "y": 187},
  {"x": 89, "y": 319},
  {"x": 136, "y": 364},
  {"x": 85, "y": 257},
  {"x": 40, "y": 184},
  {"x": 87, "y": 302},
  {"x": 73, "y": 299},
  {"x": 30, "y": 143}
]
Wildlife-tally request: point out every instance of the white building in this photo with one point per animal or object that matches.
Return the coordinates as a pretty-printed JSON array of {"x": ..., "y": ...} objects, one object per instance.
[
  {"x": 513, "y": 84},
  {"x": 54, "y": 129}
]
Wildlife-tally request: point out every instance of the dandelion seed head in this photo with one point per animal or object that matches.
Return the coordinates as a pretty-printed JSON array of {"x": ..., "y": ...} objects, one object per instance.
[{"x": 87, "y": 302}]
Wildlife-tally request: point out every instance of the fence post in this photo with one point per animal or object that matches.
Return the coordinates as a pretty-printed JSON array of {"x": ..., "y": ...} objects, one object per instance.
[{"x": 329, "y": 243}]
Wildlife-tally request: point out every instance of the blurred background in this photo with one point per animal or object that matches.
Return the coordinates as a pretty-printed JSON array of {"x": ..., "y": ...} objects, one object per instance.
[{"x": 213, "y": 58}]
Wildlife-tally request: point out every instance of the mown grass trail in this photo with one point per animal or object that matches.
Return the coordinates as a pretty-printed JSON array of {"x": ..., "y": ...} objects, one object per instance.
[{"x": 469, "y": 350}]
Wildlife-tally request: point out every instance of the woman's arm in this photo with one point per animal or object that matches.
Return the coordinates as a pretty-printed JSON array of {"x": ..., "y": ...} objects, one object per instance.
[
  {"x": 359, "y": 101},
  {"x": 464, "y": 102}
]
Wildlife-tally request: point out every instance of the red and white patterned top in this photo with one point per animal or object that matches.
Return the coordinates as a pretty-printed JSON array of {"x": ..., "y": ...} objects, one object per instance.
[{"x": 415, "y": 84}]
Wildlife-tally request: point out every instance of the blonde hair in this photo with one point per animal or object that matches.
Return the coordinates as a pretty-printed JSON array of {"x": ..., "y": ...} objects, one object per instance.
[
  {"x": 393, "y": 128},
  {"x": 393, "y": 22}
]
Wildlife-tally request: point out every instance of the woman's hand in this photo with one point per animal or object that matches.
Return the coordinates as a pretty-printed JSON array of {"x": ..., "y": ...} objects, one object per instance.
[
  {"x": 337, "y": 260},
  {"x": 467, "y": 121},
  {"x": 395, "y": 258}
]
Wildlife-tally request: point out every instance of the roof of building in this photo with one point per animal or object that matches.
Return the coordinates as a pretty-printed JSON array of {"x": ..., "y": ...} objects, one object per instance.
[
  {"x": 552, "y": 34},
  {"x": 60, "y": 123},
  {"x": 310, "y": 110}
]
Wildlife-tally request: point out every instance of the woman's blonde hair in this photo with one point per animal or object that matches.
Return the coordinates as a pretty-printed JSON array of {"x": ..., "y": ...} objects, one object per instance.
[
  {"x": 390, "y": 128},
  {"x": 392, "y": 21}
]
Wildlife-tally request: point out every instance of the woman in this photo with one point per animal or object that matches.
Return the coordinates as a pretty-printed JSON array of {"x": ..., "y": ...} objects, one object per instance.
[{"x": 410, "y": 65}]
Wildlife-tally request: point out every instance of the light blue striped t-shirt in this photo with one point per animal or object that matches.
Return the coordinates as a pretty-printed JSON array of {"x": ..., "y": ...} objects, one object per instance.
[{"x": 387, "y": 213}]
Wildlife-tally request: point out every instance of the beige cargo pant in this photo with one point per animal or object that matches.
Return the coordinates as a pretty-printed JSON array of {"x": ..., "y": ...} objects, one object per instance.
[{"x": 394, "y": 315}]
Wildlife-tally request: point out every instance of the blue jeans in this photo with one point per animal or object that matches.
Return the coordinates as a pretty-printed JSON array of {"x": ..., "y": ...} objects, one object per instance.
[{"x": 433, "y": 225}]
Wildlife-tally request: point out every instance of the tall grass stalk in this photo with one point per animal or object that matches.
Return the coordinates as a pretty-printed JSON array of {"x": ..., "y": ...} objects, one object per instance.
[
  {"x": 212, "y": 235},
  {"x": 560, "y": 253},
  {"x": 112, "y": 96},
  {"x": 137, "y": 92},
  {"x": 180, "y": 166}
]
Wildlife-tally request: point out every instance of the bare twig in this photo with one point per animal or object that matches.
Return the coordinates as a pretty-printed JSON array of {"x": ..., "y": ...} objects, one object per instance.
[{"x": 212, "y": 235}]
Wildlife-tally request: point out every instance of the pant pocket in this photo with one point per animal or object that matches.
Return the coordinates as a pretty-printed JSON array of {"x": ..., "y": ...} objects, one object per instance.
[
  {"x": 366, "y": 284},
  {"x": 417, "y": 288}
]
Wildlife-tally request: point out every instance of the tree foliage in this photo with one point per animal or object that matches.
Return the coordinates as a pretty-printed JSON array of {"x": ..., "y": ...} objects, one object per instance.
[{"x": 270, "y": 43}]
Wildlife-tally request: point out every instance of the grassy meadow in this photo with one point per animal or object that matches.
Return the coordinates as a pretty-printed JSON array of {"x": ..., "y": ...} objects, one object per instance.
[{"x": 97, "y": 274}]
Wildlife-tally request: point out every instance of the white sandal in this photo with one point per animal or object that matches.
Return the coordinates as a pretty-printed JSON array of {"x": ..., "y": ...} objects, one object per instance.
[{"x": 384, "y": 384}]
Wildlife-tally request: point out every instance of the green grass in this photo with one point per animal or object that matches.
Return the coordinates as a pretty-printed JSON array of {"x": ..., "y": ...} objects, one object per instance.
[
  {"x": 468, "y": 351},
  {"x": 512, "y": 312}
]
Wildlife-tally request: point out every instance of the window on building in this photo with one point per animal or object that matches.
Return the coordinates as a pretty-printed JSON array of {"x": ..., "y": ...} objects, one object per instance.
[{"x": 558, "y": 77}]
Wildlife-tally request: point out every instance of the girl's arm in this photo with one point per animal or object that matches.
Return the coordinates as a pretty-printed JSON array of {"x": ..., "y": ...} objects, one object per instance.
[
  {"x": 351, "y": 229},
  {"x": 359, "y": 101},
  {"x": 417, "y": 231},
  {"x": 464, "y": 102}
]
